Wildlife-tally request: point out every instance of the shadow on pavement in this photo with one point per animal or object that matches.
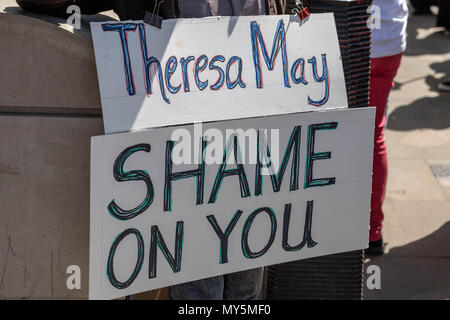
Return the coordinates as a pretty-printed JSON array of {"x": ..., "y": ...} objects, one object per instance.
[
  {"x": 436, "y": 244},
  {"x": 438, "y": 67},
  {"x": 427, "y": 112},
  {"x": 424, "y": 113},
  {"x": 418, "y": 270},
  {"x": 425, "y": 41}
]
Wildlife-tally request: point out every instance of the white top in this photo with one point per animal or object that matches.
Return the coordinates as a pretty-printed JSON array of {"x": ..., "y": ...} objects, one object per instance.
[{"x": 389, "y": 38}]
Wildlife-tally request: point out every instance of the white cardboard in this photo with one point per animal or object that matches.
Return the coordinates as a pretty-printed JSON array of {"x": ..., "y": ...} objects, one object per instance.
[
  {"x": 212, "y": 36},
  {"x": 340, "y": 220}
]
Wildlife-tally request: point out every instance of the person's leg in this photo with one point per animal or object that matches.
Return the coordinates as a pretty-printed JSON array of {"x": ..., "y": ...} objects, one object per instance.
[
  {"x": 206, "y": 289},
  {"x": 382, "y": 73},
  {"x": 244, "y": 285}
]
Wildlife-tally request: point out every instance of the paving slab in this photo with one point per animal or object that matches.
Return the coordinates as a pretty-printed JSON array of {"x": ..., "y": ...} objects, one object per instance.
[
  {"x": 412, "y": 179},
  {"x": 429, "y": 144},
  {"x": 393, "y": 234},
  {"x": 424, "y": 225}
]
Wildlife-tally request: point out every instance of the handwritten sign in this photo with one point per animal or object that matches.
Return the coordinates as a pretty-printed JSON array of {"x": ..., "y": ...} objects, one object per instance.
[
  {"x": 208, "y": 69},
  {"x": 176, "y": 204}
]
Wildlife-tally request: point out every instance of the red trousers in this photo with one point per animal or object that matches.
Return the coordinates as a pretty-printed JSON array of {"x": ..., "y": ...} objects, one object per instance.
[{"x": 382, "y": 73}]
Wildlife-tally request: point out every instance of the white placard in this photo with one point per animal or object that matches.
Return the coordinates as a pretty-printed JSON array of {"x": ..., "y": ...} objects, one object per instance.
[
  {"x": 139, "y": 195},
  {"x": 216, "y": 68}
]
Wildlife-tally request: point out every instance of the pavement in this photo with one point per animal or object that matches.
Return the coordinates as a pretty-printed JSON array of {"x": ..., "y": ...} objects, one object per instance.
[{"x": 417, "y": 206}]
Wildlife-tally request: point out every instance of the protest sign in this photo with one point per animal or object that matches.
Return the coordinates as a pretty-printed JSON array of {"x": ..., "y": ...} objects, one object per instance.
[
  {"x": 180, "y": 203},
  {"x": 216, "y": 68}
]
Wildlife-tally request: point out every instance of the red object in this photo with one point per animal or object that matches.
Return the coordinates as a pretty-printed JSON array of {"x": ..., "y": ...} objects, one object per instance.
[
  {"x": 382, "y": 73},
  {"x": 303, "y": 14}
]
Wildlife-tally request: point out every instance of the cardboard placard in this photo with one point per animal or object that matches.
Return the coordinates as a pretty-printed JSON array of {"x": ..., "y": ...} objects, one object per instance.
[
  {"x": 216, "y": 68},
  {"x": 166, "y": 208}
]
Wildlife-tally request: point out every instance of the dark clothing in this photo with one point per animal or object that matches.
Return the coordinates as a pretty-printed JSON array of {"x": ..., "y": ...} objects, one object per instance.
[
  {"x": 443, "y": 19},
  {"x": 52, "y": 7},
  {"x": 422, "y": 6},
  {"x": 126, "y": 9},
  {"x": 244, "y": 285},
  {"x": 134, "y": 9}
]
